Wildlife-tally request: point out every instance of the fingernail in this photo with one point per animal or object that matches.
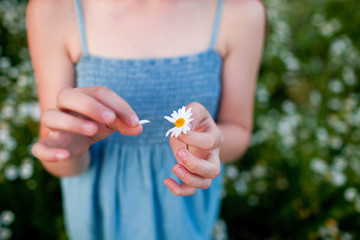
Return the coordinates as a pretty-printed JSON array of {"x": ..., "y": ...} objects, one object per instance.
[
  {"x": 108, "y": 116},
  {"x": 61, "y": 156},
  {"x": 88, "y": 127},
  {"x": 182, "y": 154},
  {"x": 179, "y": 171},
  {"x": 134, "y": 121},
  {"x": 168, "y": 183},
  {"x": 191, "y": 126}
]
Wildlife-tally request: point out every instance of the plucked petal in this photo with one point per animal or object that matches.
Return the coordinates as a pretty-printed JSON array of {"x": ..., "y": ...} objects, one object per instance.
[{"x": 144, "y": 121}]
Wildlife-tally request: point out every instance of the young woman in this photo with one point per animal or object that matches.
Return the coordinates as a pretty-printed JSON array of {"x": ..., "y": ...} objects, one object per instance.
[{"x": 101, "y": 65}]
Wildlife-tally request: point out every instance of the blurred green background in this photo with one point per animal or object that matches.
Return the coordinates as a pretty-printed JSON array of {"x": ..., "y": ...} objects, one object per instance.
[{"x": 299, "y": 179}]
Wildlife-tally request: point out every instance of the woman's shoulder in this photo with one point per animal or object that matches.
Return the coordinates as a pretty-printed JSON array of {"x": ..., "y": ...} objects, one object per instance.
[
  {"x": 248, "y": 7},
  {"x": 241, "y": 17},
  {"x": 52, "y": 22},
  {"x": 51, "y": 9},
  {"x": 54, "y": 14}
]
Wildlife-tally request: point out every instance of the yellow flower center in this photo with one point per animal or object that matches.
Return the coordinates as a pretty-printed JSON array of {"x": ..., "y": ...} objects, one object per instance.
[{"x": 180, "y": 122}]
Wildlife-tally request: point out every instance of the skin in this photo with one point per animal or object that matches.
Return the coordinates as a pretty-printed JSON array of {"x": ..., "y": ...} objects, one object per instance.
[{"x": 74, "y": 118}]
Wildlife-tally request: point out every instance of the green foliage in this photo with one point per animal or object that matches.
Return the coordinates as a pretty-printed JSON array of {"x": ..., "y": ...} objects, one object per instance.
[
  {"x": 300, "y": 177},
  {"x": 30, "y": 202}
]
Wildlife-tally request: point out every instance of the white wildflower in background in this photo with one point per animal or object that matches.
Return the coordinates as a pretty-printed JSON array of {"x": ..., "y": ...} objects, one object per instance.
[
  {"x": 349, "y": 76},
  {"x": 338, "y": 178},
  {"x": 318, "y": 165},
  {"x": 11, "y": 172},
  {"x": 346, "y": 236},
  {"x": 315, "y": 98},
  {"x": 220, "y": 230},
  {"x": 7, "y": 217},
  {"x": 181, "y": 120},
  {"x": 241, "y": 187},
  {"x": 35, "y": 112},
  {"x": 350, "y": 194},
  {"x": 8, "y": 111},
  {"x": 26, "y": 169},
  {"x": 5, "y": 233},
  {"x": 288, "y": 107},
  {"x": 335, "y": 86},
  {"x": 4, "y": 156},
  {"x": 4, "y": 135},
  {"x": 232, "y": 172},
  {"x": 334, "y": 104},
  {"x": 259, "y": 171},
  {"x": 339, "y": 163}
]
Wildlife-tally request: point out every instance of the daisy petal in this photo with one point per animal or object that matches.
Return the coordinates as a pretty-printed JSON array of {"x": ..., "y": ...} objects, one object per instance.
[
  {"x": 176, "y": 134},
  {"x": 168, "y": 132},
  {"x": 144, "y": 121},
  {"x": 169, "y": 119},
  {"x": 189, "y": 112},
  {"x": 174, "y": 115},
  {"x": 183, "y": 110}
]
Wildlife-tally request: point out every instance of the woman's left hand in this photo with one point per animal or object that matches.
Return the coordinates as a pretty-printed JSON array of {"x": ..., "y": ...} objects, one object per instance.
[{"x": 201, "y": 163}]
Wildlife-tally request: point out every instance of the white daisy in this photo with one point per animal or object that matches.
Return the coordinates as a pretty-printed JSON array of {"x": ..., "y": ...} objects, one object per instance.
[{"x": 181, "y": 120}]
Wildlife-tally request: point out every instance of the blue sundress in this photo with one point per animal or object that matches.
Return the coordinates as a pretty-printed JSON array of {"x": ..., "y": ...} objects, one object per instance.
[{"x": 122, "y": 195}]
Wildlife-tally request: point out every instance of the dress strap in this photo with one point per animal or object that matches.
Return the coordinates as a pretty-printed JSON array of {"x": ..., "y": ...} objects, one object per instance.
[
  {"x": 80, "y": 18},
  {"x": 216, "y": 24}
]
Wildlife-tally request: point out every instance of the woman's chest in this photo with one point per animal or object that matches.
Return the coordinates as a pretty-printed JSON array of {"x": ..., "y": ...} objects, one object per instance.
[{"x": 157, "y": 86}]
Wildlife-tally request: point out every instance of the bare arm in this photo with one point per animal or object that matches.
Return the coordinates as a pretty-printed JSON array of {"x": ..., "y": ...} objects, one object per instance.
[
  {"x": 245, "y": 21},
  {"x": 226, "y": 141},
  {"x": 72, "y": 118},
  {"x": 53, "y": 69}
]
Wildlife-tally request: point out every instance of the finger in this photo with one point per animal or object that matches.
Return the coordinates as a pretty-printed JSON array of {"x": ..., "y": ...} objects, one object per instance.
[
  {"x": 199, "y": 114},
  {"x": 205, "y": 134},
  {"x": 125, "y": 129},
  {"x": 45, "y": 153},
  {"x": 73, "y": 100},
  {"x": 191, "y": 179},
  {"x": 209, "y": 168},
  {"x": 204, "y": 140},
  {"x": 179, "y": 189},
  {"x": 110, "y": 99},
  {"x": 57, "y": 120}
]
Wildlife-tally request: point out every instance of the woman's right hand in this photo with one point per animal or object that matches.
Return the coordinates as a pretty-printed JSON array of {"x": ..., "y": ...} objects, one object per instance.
[{"x": 83, "y": 116}]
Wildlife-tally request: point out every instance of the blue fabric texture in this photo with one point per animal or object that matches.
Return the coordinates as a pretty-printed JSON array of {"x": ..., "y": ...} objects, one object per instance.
[{"x": 122, "y": 194}]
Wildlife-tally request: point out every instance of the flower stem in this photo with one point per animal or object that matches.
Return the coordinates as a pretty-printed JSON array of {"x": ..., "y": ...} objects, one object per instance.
[{"x": 187, "y": 147}]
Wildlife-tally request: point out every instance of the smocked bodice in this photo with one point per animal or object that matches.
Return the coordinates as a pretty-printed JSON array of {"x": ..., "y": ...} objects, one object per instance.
[{"x": 155, "y": 87}]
